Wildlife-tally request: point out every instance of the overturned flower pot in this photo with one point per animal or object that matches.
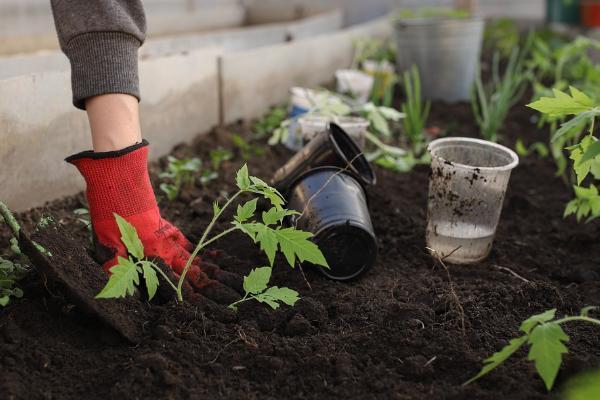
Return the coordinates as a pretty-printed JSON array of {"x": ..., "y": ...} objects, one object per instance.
[
  {"x": 332, "y": 148},
  {"x": 446, "y": 50},
  {"x": 333, "y": 206}
]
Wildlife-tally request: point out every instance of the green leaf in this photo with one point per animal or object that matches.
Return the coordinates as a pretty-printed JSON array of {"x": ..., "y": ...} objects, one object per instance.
[
  {"x": 124, "y": 277},
  {"x": 499, "y": 357},
  {"x": 576, "y": 124},
  {"x": 4, "y": 300},
  {"x": 592, "y": 151},
  {"x": 571, "y": 208},
  {"x": 246, "y": 211},
  {"x": 294, "y": 243},
  {"x": 274, "y": 295},
  {"x": 562, "y": 104},
  {"x": 259, "y": 186},
  {"x": 283, "y": 294},
  {"x": 534, "y": 320},
  {"x": 582, "y": 168},
  {"x": 585, "y": 386},
  {"x": 216, "y": 208},
  {"x": 275, "y": 215},
  {"x": 170, "y": 190},
  {"x": 150, "y": 278},
  {"x": 546, "y": 350},
  {"x": 241, "y": 179},
  {"x": 257, "y": 280},
  {"x": 267, "y": 239},
  {"x": 130, "y": 238},
  {"x": 379, "y": 123},
  {"x": 585, "y": 311}
]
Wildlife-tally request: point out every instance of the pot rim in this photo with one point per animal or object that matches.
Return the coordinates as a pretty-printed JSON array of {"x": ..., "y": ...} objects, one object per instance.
[{"x": 514, "y": 158}]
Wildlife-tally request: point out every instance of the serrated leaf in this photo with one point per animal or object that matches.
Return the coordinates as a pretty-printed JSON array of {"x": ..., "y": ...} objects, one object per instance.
[
  {"x": 241, "y": 178},
  {"x": 267, "y": 239},
  {"x": 216, "y": 208},
  {"x": 275, "y": 215},
  {"x": 246, "y": 211},
  {"x": 562, "y": 104},
  {"x": 124, "y": 277},
  {"x": 546, "y": 350},
  {"x": 571, "y": 208},
  {"x": 150, "y": 278},
  {"x": 283, "y": 294},
  {"x": 499, "y": 357},
  {"x": 576, "y": 124},
  {"x": 257, "y": 280},
  {"x": 534, "y": 320},
  {"x": 130, "y": 238},
  {"x": 296, "y": 244},
  {"x": 268, "y": 300},
  {"x": 591, "y": 152},
  {"x": 585, "y": 311}
]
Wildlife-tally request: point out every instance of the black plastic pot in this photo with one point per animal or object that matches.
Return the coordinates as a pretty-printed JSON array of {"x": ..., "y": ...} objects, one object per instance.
[
  {"x": 334, "y": 207},
  {"x": 331, "y": 148}
]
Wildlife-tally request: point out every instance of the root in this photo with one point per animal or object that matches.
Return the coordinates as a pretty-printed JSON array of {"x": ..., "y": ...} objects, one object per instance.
[
  {"x": 454, "y": 295},
  {"x": 513, "y": 273}
]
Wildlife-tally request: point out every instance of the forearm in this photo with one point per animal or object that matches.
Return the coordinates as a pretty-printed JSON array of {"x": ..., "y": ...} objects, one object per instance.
[{"x": 101, "y": 39}]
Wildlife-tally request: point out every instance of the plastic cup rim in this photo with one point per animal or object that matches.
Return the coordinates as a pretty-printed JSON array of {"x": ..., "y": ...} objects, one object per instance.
[{"x": 508, "y": 167}]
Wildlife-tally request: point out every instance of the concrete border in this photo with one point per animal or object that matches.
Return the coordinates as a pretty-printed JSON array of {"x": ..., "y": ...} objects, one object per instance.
[
  {"x": 231, "y": 39},
  {"x": 181, "y": 99}
]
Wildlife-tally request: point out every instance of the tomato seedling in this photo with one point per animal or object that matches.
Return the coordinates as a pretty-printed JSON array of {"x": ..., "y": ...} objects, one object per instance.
[
  {"x": 180, "y": 172},
  {"x": 268, "y": 232},
  {"x": 585, "y": 154},
  {"x": 547, "y": 343}
]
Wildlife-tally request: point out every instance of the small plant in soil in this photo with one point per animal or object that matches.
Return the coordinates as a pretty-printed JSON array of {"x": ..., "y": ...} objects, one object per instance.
[
  {"x": 180, "y": 173},
  {"x": 247, "y": 150},
  {"x": 256, "y": 287},
  {"x": 585, "y": 154},
  {"x": 538, "y": 148},
  {"x": 267, "y": 231},
  {"x": 416, "y": 112},
  {"x": 547, "y": 343},
  {"x": 558, "y": 62},
  {"x": 377, "y": 57},
  {"x": 335, "y": 105},
  {"x": 491, "y": 103},
  {"x": 13, "y": 267},
  {"x": 267, "y": 124}
]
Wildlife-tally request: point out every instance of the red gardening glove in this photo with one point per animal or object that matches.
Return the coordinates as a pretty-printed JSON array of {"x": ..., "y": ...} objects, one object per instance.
[{"x": 118, "y": 183}]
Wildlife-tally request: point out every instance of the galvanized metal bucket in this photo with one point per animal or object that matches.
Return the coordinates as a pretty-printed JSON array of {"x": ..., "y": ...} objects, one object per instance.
[{"x": 445, "y": 50}]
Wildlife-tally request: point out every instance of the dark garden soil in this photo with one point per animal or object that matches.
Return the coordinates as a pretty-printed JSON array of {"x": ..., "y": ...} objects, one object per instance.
[{"x": 395, "y": 333}]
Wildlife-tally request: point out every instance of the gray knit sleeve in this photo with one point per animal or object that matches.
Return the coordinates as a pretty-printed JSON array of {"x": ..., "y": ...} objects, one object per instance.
[{"x": 101, "y": 38}]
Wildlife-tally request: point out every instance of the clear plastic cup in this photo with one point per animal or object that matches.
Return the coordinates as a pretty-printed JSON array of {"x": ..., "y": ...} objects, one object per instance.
[
  {"x": 311, "y": 125},
  {"x": 355, "y": 82},
  {"x": 355, "y": 127},
  {"x": 468, "y": 181}
]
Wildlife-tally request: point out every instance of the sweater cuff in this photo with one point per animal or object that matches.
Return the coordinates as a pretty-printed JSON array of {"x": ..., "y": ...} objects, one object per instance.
[{"x": 101, "y": 63}]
